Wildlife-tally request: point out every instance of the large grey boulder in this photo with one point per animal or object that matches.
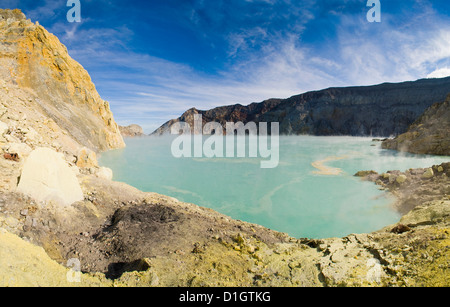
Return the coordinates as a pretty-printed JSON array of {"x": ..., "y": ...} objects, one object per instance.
[{"x": 46, "y": 176}]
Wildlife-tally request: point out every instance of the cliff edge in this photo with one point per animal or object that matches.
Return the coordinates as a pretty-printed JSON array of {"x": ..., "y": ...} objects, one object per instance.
[
  {"x": 41, "y": 84},
  {"x": 429, "y": 134}
]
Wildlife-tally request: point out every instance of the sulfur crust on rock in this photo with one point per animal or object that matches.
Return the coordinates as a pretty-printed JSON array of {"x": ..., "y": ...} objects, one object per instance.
[
  {"x": 34, "y": 60},
  {"x": 415, "y": 258},
  {"x": 23, "y": 264}
]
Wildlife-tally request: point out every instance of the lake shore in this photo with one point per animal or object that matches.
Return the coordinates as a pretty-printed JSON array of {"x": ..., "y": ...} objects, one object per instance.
[
  {"x": 106, "y": 228},
  {"x": 414, "y": 186}
]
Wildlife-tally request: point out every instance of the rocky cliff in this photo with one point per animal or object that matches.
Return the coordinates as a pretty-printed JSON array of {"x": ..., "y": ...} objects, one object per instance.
[
  {"x": 381, "y": 110},
  {"x": 131, "y": 131},
  {"x": 42, "y": 84},
  {"x": 429, "y": 134}
]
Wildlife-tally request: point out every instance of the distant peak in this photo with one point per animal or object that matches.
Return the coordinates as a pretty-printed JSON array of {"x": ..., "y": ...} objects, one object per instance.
[{"x": 192, "y": 111}]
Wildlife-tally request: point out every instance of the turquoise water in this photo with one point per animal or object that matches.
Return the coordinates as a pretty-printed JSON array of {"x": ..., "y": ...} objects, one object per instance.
[{"x": 291, "y": 198}]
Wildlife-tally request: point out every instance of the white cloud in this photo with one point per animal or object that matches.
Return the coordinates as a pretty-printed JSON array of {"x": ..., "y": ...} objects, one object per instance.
[
  {"x": 440, "y": 73},
  {"x": 390, "y": 51},
  {"x": 433, "y": 48}
]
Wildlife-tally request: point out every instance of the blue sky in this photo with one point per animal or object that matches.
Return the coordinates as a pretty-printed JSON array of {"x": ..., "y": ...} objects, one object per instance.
[{"x": 152, "y": 60}]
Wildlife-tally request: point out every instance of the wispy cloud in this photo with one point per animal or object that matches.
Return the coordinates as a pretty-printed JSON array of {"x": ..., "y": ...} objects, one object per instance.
[
  {"x": 156, "y": 90},
  {"x": 393, "y": 52},
  {"x": 45, "y": 10}
]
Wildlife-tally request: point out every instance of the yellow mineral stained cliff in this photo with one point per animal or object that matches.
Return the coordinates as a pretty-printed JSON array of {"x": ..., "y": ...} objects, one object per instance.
[{"x": 35, "y": 60}]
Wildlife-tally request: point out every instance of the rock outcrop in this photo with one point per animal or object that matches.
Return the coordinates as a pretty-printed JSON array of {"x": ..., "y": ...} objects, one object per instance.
[
  {"x": 381, "y": 110},
  {"x": 132, "y": 131},
  {"x": 86, "y": 158},
  {"x": 40, "y": 83},
  {"x": 429, "y": 134}
]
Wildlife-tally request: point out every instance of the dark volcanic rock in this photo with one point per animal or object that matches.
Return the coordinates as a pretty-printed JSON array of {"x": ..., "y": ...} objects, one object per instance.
[
  {"x": 428, "y": 135},
  {"x": 381, "y": 110}
]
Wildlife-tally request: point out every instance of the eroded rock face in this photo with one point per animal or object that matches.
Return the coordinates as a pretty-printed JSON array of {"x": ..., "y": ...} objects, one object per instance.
[
  {"x": 37, "y": 66},
  {"x": 3, "y": 128},
  {"x": 46, "y": 176},
  {"x": 12, "y": 15},
  {"x": 428, "y": 135}
]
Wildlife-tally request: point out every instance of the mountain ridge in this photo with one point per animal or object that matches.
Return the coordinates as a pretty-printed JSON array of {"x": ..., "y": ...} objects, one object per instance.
[{"x": 386, "y": 109}]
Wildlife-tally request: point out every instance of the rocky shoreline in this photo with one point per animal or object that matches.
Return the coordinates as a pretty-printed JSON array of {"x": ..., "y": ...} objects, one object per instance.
[
  {"x": 125, "y": 237},
  {"x": 414, "y": 186},
  {"x": 111, "y": 234}
]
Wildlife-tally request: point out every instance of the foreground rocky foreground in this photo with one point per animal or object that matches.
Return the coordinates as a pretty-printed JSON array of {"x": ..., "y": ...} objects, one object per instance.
[
  {"x": 124, "y": 237},
  {"x": 64, "y": 222}
]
